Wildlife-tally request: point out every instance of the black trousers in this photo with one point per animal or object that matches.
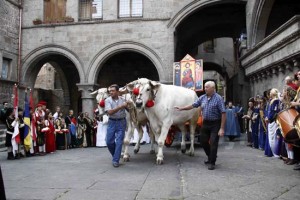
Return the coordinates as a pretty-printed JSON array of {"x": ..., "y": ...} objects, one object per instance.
[
  {"x": 2, "y": 191},
  {"x": 210, "y": 139}
]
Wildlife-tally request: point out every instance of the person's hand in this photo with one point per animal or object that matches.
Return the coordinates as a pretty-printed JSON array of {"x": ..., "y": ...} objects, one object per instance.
[
  {"x": 293, "y": 104},
  {"x": 221, "y": 132},
  {"x": 124, "y": 105},
  {"x": 266, "y": 120},
  {"x": 177, "y": 108}
]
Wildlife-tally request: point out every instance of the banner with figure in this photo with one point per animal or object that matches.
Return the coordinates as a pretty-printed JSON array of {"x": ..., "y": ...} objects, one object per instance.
[{"x": 188, "y": 73}]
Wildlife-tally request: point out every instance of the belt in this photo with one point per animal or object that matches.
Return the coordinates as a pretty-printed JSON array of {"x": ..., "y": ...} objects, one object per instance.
[
  {"x": 212, "y": 121},
  {"x": 119, "y": 119}
]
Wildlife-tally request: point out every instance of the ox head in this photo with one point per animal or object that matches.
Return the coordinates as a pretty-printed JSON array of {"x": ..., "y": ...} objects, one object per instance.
[
  {"x": 143, "y": 92},
  {"x": 102, "y": 94}
]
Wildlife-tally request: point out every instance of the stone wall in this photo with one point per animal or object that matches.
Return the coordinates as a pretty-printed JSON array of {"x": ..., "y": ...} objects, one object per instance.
[{"x": 9, "y": 36}]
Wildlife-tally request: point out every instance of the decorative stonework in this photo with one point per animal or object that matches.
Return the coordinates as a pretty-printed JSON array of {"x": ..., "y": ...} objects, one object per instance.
[{"x": 296, "y": 63}]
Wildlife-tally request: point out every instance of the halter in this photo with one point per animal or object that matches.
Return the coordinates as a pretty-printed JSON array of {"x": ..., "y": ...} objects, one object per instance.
[{"x": 152, "y": 96}]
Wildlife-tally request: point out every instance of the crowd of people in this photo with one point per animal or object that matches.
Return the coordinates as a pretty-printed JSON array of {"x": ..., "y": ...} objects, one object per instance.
[
  {"x": 271, "y": 122},
  {"x": 261, "y": 122},
  {"x": 52, "y": 131}
]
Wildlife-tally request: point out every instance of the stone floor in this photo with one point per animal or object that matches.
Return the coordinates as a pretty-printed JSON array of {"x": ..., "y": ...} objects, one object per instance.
[{"x": 241, "y": 173}]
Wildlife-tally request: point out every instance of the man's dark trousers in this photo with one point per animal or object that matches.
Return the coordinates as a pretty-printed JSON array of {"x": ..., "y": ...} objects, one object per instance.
[{"x": 210, "y": 139}]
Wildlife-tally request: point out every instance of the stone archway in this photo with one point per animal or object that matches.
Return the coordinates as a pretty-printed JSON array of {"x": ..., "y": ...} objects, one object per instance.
[
  {"x": 262, "y": 10},
  {"x": 66, "y": 65},
  {"x": 106, "y": 53},
  {"x": 124, "y": 67}
]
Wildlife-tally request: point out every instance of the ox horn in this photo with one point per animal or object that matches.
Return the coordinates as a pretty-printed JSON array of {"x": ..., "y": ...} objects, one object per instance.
[{"x": 93, "y": 93}]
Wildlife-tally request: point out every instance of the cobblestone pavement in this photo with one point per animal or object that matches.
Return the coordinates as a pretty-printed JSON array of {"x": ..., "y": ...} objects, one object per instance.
[{"x": 241, "y": 173}]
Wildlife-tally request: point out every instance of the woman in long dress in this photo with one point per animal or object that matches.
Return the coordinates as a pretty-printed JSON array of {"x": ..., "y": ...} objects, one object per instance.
[
  {"x": 273, "y": 109},
  {"x": 49, "y": 133},
  {"x": 101, "y": 131}
]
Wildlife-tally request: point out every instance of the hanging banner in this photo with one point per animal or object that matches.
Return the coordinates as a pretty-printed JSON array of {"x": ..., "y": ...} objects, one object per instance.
[{"x": 188, "y": 73}]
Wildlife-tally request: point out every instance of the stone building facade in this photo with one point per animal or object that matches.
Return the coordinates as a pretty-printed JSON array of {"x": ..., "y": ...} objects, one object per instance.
[
  {"x": 89, "y": 52},
  {"x": 273, "y": 46},
  {"x": 9, "y": 48}
]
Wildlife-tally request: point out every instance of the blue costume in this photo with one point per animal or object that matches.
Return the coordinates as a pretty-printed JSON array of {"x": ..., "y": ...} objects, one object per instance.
[
  {"x": 232, "y": 127},
  {"x": 262, "y": 129},
  {"x": 254, "y": 127},
  {"x": 273, "y": 109}
]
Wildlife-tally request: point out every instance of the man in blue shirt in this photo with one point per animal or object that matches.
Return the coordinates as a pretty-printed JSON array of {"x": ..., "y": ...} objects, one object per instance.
[
  {"x": 214, "y": 116},
  {"x": 115, "y": 108}
]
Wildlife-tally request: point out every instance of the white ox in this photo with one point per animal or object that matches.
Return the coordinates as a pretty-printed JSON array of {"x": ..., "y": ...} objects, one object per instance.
[
  {"x": 163, "y": 114},
  {"x": 134, "y": 120}
]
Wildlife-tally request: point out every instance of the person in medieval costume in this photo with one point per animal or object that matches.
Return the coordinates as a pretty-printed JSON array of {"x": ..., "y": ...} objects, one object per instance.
[
  {"x": 71, "y": 124},
  {"x": 60, "y": 137},
  {"x": 81, "y": 128},
  {"x": 89, "y": 130},
  {"x": 101, "y": 131},
  {"x": 273, "y": 109},
  {"x": 49, "y": 133},
  {"x": 39, "y": 120},
  {"x": 31, "y": 151},
  {"x": 255, "y": 123},
  {"x": 262, "y": 127},
  {"x": 232, "y": 129},
  {"x": 10, "y": 118},
  {"x": 248, "y": 122}
]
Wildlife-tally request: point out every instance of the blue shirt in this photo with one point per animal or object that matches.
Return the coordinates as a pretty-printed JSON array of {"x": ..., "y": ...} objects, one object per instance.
[
  {"x": 113, "y": 103},
  {"x": 212, "y": 108}
]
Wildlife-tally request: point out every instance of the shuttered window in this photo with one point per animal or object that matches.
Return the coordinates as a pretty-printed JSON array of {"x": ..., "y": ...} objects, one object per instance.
[
  {"x": 130, "y": 8},
  {"x": 5, "y": 68},
  {"x": 54, "y": 9},
  {"x": 90, "y": 9}
]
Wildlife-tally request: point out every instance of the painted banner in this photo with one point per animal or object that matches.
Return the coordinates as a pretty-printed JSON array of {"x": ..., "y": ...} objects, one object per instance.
[{"x": 188, "y": 73}]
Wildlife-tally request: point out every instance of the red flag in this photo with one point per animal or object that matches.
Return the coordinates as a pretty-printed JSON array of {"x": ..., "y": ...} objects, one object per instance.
[
  {"x": 16, "y": 135},
  {"x": 33, "y": 128}
]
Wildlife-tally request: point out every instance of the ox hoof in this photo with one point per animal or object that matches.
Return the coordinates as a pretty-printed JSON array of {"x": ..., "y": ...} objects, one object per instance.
[
  {"x": 126, "y": 159},
  {"x": 183, "y": 150},
  {"x": 152, "y": 152},
  {"x": 136, "y": 151},
  {"x": 159, "y": 161}
]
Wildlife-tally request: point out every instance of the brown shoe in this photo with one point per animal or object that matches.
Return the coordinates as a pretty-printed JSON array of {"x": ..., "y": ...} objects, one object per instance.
[{"x": 286, "y": 160}]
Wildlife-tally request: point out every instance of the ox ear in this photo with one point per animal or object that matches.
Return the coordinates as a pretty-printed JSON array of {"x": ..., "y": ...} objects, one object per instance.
[
  {"x": 123, "y": 90},
  {"x": 154, "y": 84},
  {"x": 130, "y": 86}
]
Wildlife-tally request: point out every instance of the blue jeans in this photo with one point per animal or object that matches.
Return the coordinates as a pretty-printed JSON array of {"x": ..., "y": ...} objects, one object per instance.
[{"x": 114, "y": 138}]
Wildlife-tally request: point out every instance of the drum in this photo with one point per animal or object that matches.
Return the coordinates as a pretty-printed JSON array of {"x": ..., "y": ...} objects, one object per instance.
[
  {"x": 297, "y": 126},
  {"x": 286, "y": 120}
]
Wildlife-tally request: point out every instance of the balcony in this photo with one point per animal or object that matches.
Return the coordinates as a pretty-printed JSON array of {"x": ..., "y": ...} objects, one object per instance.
[{"x": 279, "y": 50}]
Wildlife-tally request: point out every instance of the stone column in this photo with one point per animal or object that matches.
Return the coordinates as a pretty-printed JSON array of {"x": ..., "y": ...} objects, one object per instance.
[{"x": 88, "y": 101}]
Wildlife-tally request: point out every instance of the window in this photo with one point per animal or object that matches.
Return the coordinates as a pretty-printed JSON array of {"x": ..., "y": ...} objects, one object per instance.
[
  {"x": 54, "y": 9},
  {"x": 5, "y": 68},
  {"x": 90, "y": 9},
  {"x": 130, "y": 8}
]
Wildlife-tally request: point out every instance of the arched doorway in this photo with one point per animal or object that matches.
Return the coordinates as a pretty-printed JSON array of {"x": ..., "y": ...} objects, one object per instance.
[
  {"x": 124, "y": 67},
  {"x": 53, "y": 77},
  {"x": 211, "y": 26}
]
